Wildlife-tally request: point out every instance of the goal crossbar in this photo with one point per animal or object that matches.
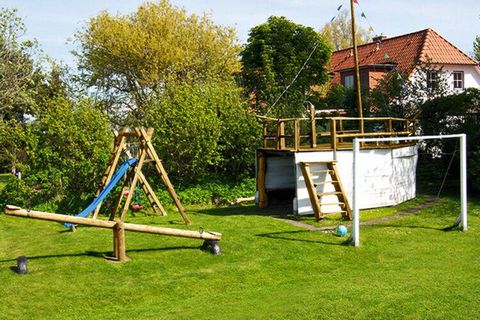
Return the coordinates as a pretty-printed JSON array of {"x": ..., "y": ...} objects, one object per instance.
[{"x": 462, "y": 219}]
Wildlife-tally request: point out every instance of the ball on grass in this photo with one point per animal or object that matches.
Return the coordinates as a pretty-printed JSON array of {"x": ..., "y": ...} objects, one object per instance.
[{"x": 341, "y": 230}]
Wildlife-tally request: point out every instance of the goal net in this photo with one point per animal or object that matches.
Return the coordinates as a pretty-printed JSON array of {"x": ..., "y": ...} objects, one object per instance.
[{"x": 431, "y": 150}]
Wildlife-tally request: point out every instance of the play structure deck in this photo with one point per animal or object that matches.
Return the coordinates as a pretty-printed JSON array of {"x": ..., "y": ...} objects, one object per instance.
[
  {"x": 308, "y": 162},
  {"x": 136, "y": 146}
]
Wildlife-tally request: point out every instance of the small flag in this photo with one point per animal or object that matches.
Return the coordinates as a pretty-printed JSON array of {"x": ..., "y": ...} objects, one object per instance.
[
  {"x": 339, "y": 7},
  {"x": 356, "y": 1},
  {"x": 331, "y": 20},
  {"x": 363, "y": 15}
]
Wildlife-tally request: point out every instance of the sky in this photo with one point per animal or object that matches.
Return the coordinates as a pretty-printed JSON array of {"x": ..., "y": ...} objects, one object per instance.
[{"x": 54, "y": 22}]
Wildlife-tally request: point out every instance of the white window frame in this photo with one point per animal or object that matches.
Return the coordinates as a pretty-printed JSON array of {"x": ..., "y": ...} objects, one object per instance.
[{"x": 460, "y": 81}]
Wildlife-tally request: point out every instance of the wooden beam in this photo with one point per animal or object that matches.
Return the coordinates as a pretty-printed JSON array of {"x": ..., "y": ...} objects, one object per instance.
[
  {"x": 119, "y": 146},
  {"x": 163, "y": 174},
  {"x": 312, "y": 190},
  {"x": 119, "y": 249},
  {"x": 261, "y": 174},
  {"x": 106, "y": 224}
]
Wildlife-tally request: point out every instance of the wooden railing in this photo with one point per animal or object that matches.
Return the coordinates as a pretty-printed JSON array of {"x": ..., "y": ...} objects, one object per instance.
[{"x": 331, "y": 133}]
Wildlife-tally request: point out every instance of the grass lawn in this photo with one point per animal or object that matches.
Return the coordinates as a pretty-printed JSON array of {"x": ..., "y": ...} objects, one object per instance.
[
  {"x": 406, "y": 268},
  {"x": 4, "y": 179}
]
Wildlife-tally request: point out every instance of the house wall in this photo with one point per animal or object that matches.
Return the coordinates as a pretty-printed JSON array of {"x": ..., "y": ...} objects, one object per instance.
[
  {"x": 387, "y": 177},
  {"x": 471, "y": 75}
]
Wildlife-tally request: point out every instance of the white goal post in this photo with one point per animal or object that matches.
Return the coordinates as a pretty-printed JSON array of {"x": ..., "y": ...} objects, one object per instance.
[{"x": 462, "y": 219}]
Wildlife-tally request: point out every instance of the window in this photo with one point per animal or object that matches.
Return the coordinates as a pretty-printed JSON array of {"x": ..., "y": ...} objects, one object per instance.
[
  {"x": 348, "y": 81},
  {"x": 432, "y": 79},
  {"x": 457, "y": 79}
]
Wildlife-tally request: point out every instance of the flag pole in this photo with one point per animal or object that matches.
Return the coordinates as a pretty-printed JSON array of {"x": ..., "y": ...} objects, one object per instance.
[{"x": 357, "y": 69}]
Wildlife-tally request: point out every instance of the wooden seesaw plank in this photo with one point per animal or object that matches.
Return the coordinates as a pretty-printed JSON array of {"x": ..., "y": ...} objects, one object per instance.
[{"x": 19, "y": 212}]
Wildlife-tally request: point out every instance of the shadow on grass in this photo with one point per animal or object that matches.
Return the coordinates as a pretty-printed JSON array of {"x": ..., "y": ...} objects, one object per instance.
[
  {"x": 98, "y": 254},
  {"x": 289, "y": 236},
  {"x": 447, "y": 228},
  {"x": 247, "y": 210}
]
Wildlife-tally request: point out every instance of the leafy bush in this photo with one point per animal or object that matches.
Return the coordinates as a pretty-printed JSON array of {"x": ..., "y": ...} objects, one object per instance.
[
  {"x": 209, "y": 187},
  {"x": 68, "y": 156},
  {"x": 202, "y": 128},
  {"x": 456, "y": 114}
]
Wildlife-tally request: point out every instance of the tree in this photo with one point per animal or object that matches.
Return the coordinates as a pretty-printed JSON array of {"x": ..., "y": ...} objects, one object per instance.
[
  {"x": 339, "y": 32},
  {"x": 133, "y": 59},
  {"x": 17, "y": 68},
  {"x": 398, "y": 96},
  {"x": 276, "y": 52},
  {"x": 203, "y": 128},
  {"x": 476, "y": 48},
  {"x": 66, "y": 149}
]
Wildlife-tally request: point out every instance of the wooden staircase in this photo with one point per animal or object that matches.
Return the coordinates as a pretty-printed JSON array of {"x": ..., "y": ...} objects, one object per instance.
[{"x": 316, "y": 197}]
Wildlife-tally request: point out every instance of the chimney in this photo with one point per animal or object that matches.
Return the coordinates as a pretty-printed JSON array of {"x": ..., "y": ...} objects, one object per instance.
[{"x": 379, "y": 38}]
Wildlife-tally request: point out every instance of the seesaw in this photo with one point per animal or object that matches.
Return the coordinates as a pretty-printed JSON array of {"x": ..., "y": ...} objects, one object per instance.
[{"x": 119, "y": 227}]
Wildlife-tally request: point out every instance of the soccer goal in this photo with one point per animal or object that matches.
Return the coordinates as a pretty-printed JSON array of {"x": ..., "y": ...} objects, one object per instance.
[{"x": 358, "y": 169}]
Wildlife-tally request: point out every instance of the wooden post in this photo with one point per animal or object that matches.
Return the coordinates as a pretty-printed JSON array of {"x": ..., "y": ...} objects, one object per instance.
[
  {"x": 265, "y": 132},
  {"x": 312, "y": 190},
  {"x": 131, "y": 191},
  {"x": 148, "y": 190},
  {"x": 119, "y": 146},
  {"x": 297, "y": 134},
  {"x": 119, "y": 250},
  {"x": 390, "y": 128},
  {"x": 333, "y": 134},
  {"x": 281, "y": 135},
  {"x": 261, "y": 172},
  {"x": 357, "y": 71},
  {"x": 340, "y": 129},
  {"x": 163, "y": 174},
  {"x": 313, "y": 127}
]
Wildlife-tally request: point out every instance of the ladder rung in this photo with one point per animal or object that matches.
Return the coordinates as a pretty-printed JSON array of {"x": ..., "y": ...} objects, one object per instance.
[
  {"x": 321, "y": 171},
  {"x": 332, "y": 193},
  {"x": 325, "y": 182},
  {"x": 340, "y": 203},
  {"x": 333, "y": 212}
]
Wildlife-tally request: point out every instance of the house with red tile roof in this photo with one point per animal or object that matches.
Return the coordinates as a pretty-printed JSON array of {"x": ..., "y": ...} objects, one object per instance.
[{"x": 406, "y": 54}]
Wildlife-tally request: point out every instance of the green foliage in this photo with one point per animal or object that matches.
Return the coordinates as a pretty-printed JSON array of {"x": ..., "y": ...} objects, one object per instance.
[
  {"x": 68, "y": 155},
  {"x": 206, "y": 188},
  {"x": 18, "y": 71},
  {"x": 455, "y": 114},
  {"x": 476, "y": 48},
  {"x": 203, "y": 127},
  {"x": 129, "y": 58},
  {"x": 274, "y": 54},
  {"x": 339, "y": 32}
]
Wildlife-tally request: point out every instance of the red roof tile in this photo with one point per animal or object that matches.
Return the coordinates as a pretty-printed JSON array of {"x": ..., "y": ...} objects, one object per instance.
[{"x": 405, "y": 51}]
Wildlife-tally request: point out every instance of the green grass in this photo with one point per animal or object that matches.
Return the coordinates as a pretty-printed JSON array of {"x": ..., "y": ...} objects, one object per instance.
[
  {"x": 4, "y": 179},
  {"x": 405, "y": 269}
]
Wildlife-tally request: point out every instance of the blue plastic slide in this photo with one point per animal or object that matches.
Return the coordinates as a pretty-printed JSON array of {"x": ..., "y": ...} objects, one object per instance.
[{"x": 113, "y": 182}]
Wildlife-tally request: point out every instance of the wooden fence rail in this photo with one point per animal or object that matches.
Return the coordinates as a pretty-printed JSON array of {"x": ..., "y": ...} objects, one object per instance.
[{"x": 329, "y": 132}]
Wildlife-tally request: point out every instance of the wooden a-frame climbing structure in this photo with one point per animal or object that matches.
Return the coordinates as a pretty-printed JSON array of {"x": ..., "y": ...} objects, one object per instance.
[{"x": 145, "y": 153}]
